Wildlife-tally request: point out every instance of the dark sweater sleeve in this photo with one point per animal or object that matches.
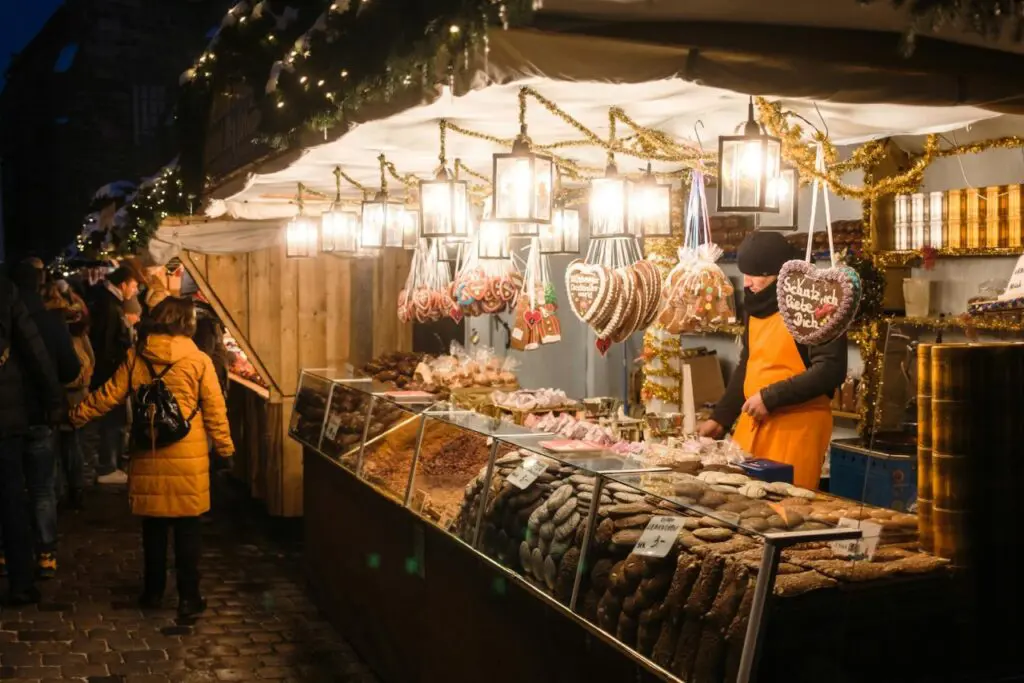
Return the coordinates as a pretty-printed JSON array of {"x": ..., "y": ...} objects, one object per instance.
[
  {"x": 58, "y": 342},
  {"x": 826, "y": 372},
  {"x": 729, "y": 406},
  {"x": 33, "y": 356}
]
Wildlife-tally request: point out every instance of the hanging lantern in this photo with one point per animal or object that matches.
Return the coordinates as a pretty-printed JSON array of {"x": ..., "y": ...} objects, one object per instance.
[
  {"x": 609, "y": 205},
  {"x": 523, "y": 182},
  {"x": 410, "y": 222},
  {"x": 650, "y": 207},
  {"x": 301, "y": 238},
  {"x": 562, "y": 236},
  {"x": 444, "y": 206},
  {"x": 787, "y": 189},
  {"x": 492, "y": 240},
  {"x": 448, "y": 252},
  {"x": 748, "y": 164},
  {"x": 339, "y": 231},
  {"x": 381, "y": 222}
]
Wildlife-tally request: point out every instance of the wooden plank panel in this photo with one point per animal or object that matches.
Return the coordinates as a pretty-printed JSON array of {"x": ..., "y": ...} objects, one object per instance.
[
  {"x": 228, "y": 275},
  {"x": 289, "y": 325},
  {"x": 339, "y": 311},
  {"x": 390, "y": 273},
  {"x": 290, "y": 466},
  {"x": 264, "y": 294},
  {"x": 197, "y": 262},
  {"x": 312, "y": 312},
  {"x": 218, "y": 307},
  {"x": 361, "y": 299},
  {"x": 276, "y": 439}
]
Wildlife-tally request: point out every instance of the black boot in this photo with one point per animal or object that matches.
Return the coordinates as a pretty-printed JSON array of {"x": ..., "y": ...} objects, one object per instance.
[{"x": 191, "y": 607}]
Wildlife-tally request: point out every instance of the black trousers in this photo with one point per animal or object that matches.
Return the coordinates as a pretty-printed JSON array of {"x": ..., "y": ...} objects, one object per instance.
[{"x": 187, "y": 548}]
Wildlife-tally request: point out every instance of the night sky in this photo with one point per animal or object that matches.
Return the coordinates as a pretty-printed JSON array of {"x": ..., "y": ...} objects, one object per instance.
[{"x": 20, "y": 20}]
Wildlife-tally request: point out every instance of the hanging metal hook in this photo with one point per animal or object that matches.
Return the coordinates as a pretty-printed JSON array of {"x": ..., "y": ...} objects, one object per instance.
[{"x": 696, "y": 134}]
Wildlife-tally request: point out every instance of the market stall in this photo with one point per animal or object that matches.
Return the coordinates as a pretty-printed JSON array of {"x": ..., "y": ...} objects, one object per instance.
[
  {"x": 283, "y": 315},
  {"x": 514, "y": 495}
]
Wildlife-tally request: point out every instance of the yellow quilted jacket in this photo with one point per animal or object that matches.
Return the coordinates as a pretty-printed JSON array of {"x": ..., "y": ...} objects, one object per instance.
[{"x": 173, "y": 481}]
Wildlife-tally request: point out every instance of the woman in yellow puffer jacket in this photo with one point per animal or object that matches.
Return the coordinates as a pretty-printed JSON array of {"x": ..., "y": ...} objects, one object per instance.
[{"x": 170, "y": 486}]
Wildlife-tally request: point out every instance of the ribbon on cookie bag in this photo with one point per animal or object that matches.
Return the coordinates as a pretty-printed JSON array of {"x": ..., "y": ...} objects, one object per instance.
[
  {"x": 536, "y": 320},
  {"x": 818, "y": 304},
  {"x": 697, "y": 295},
  {"x": 427, "y": 296}
]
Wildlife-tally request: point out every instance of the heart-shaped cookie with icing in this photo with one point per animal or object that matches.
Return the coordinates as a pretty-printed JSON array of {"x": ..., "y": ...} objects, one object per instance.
[
  {"x": 817, "y": 304},
  {"x": 587, "y": 287}
]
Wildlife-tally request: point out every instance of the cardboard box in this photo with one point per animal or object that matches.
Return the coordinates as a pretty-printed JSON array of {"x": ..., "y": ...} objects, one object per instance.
[{"x": 708, "y": 383}]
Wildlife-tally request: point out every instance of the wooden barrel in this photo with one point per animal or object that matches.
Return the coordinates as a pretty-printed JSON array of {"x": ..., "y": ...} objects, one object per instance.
[
  {"x": 977, "y": 433},
  {"x": 951, "y": 537},
  {"x": 924, "y": 446},
  {"x": 925, "y": 525},
  {"x": 951, "y": 482}
]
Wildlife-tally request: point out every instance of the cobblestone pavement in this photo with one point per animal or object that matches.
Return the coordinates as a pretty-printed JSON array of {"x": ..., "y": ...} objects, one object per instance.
[{"x": 260, "y": 623}]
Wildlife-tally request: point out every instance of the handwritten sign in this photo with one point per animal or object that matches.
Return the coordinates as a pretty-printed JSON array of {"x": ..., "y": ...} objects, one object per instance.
[
  {"x": 527, "y": 473},
  {"x": 659, "y": 536},
  {"x": 586, "y": 285},
  {"x": 817, "y": 304},
  {"x": 859, "y": 548},
  {"x": 810, "y": 301},
  {"x": 1015, "y": 288}
]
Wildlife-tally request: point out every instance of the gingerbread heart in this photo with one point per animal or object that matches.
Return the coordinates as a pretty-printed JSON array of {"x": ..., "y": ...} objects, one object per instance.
[
  {"x": 587, "y": 286},
  {"x": 532, "y": 318},
  {"x": 817, "y": 304}
]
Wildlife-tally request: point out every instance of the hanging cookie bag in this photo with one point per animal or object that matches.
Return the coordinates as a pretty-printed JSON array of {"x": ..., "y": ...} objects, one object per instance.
[
  {"x": 818, "y": 304},
  {"x": 697, "y": 295}
]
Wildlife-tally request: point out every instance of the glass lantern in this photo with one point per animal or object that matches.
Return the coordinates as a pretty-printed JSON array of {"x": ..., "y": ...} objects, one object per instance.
[
  {"x": 339, "y": 232},
  {"x": 523, "y": 182},
  {"x": 748, "y": 166},
  {"x": 609, "y": 205},
  {"x": 381, "y": 223},
  {"x": 444, "y": 206},
  {"x": 650, "y": 207},
  {"x": 492, "y": 240},
  {"x": 301, "y": 237},
  {"x": 562, "y": 236},
  {"x": 786, "y": 188},
  {"x": 410, "y": 222}
]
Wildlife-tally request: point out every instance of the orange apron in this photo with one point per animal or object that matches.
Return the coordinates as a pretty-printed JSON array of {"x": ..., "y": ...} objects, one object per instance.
[{"x": 798, "y": 435}]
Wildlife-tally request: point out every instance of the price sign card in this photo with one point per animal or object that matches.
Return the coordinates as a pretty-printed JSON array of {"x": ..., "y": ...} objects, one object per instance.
[
  {"x": 1015, "y": 287},
  {"x": 859, "y": 548},
  {"x": 526, "y": 473},
  {"x": 659, "y": 536},
  {"x": 333, "y": 424}
]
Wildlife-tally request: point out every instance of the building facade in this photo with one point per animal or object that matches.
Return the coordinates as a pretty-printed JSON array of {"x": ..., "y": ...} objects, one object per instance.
[{"x": 91, "y": 100}]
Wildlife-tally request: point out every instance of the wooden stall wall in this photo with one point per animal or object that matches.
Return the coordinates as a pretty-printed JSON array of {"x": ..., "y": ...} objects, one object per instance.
[{"x": 290, "y": 314}]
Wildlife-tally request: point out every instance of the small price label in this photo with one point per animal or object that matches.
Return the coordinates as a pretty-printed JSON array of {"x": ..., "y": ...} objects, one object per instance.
[
  {"x": 659, "y": 536},
  {"x": 862, "y": 548},
  {"x": 526, "y": 473},
  {"x": 333, "y": 424}
]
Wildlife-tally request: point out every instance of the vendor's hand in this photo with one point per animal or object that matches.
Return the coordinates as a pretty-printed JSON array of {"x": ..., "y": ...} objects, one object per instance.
[
  {"x": 711, "y": 429},
  {"x": 754, "y": 407}
]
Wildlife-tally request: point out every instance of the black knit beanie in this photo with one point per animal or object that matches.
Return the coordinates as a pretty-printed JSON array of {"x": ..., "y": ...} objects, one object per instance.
[{"x": 763, "y": 252}]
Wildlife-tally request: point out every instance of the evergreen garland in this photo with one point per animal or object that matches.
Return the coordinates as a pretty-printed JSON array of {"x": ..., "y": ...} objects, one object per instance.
[
  {"x": 988, "y": 18},
  {"x": 373, "y": 52}
]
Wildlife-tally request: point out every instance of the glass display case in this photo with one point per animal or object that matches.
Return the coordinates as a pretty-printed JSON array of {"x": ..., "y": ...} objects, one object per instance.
[{"x": 680, "y": 567}]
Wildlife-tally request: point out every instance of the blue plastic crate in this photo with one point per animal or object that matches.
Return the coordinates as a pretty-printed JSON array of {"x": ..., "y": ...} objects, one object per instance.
[{"x": 891, "y": 479}]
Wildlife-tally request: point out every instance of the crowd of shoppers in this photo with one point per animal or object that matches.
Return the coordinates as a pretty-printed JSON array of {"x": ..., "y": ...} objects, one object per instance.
[{"x": 78, "y": 362}]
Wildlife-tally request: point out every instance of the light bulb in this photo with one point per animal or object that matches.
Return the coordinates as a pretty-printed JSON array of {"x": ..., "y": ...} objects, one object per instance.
[
  {"x": 751, "y": 164},
  {"x": 778, "y": 187}
]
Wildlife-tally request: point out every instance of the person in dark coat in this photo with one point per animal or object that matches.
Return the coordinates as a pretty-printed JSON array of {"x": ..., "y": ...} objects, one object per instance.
[
  {"x": 779, "y": 395},
  {"x": 23, "y": 360},
  {"x": 41, "y": 451},
  {"x": 111, "y": 338}
]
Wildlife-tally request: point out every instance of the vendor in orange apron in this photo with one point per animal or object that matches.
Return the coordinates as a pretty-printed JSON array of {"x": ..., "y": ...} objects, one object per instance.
[{"x": 780, "y": 390}]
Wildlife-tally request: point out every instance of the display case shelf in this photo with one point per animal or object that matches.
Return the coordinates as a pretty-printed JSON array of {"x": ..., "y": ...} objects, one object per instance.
[{"x": 572, "y": 529}]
